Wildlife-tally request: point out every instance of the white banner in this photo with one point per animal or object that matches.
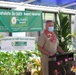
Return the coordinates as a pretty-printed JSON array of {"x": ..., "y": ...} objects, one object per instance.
[{"x": 18, "y": 43}]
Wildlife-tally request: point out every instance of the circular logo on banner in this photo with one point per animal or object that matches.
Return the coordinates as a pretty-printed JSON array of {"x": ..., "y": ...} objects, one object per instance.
[{"x": 13, "y": 20}]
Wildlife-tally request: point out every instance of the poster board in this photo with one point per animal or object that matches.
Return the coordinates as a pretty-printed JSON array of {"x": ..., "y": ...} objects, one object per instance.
[{"x": 18, "y": 43}]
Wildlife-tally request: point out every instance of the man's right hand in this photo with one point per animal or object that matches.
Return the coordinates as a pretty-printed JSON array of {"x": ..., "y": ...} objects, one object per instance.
[{"x": 51, "y": 54}]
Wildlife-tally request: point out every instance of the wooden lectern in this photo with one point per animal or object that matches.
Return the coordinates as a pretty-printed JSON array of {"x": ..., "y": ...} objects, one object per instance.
[{"x": 53, "y": 66}]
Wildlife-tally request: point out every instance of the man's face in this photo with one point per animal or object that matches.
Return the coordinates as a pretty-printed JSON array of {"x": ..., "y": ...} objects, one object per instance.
[{"x": 49, "y": 24}]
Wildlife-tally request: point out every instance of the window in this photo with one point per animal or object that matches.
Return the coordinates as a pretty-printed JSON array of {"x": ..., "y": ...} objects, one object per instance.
[
  {"x": 72, "y": 23},
  {"x": 49, "y": 16}
]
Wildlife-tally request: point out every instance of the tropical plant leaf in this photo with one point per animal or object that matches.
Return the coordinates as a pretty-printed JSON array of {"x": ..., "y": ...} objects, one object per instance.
[{"x": 63, "y": 30}]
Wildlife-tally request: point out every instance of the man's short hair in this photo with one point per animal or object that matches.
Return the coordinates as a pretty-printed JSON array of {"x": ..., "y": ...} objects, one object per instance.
[{"x": 49, "y": 21}]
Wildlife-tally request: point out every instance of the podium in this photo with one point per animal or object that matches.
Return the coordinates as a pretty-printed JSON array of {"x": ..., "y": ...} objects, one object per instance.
[{"x": 63, "y": 68}]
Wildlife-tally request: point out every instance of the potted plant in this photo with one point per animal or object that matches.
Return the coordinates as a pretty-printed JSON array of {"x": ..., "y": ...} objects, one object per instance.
[{"x": 63, "y": 31}]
